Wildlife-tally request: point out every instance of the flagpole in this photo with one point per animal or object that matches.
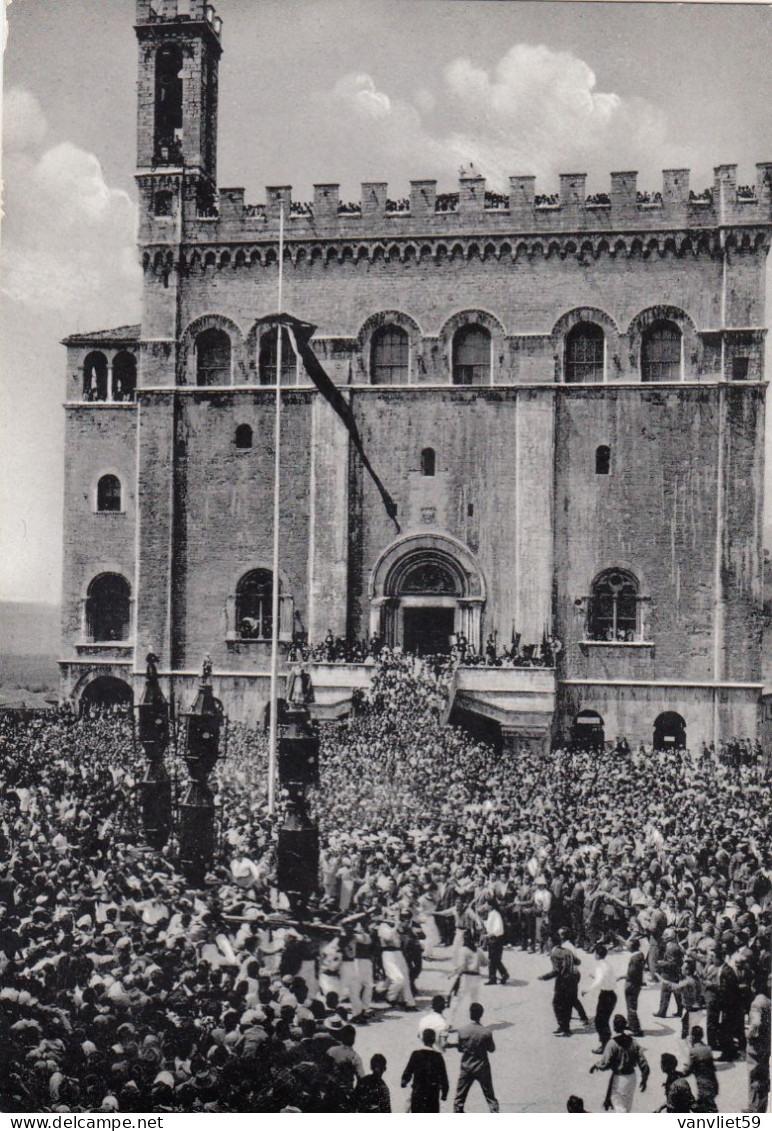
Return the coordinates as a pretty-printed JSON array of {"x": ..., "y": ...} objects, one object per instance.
[{"x": 274, "y": 722}]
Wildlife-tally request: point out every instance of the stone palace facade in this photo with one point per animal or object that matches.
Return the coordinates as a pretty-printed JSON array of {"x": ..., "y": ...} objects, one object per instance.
[{"x": 564, "y": 396}]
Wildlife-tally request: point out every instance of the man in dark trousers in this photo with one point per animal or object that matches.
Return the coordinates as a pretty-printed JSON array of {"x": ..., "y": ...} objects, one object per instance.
[
  {"x": 633, "y": 980},
  {"x": 426, "y": 1068},
  {"x": 732, "y": 1030},
  {"x": 563, "y": 962},
  {"x": 475, "y": 1042}
]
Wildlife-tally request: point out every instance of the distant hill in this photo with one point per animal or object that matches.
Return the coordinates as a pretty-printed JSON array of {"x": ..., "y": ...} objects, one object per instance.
[{"x": 29, "y": 628}]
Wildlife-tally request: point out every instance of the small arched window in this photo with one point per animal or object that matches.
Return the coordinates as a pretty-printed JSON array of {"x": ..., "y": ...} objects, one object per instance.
[
  {"x": 254, "y": 603},
  {"x": 213, "y": 357},
  {"x": 471, "y": 356},
  {"x": 162, "y": 203},
  {"x": 428, "y": 461},
  {"x": 168, "y": 102},
  {"x": 389, "y": 356},
  {"x": 584, "y": 357},
  {"x": 124, "y": 376},
  {"x": 108, "y": 608},
  {"x": 268, "y": 359},
  {"x": 603, "y": 460},
  {"x": 109, "y": 493},
  {"x": 243, "y": 436},
  {"x": 661, "y": 352},
  {"x": 614, "y": 607},
  {"x": 95, "y": 377}
]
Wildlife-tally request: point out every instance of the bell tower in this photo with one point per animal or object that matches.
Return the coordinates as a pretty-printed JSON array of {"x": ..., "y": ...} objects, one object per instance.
[{"x": 179, "y": 54}]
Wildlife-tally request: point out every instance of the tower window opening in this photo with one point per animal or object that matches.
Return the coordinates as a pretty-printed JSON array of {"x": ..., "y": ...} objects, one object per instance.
[
  {"x": 109, "y": 493},
  {"x": 428, "y": 462},
  {"x": 389, "y": 356},
  {"x": 268, "y": 358},
  {"x": 108, "y": 608},
  {"x": 254, "y": 604},
  {"x": 213, "y": 358},
  {"x": 95, "y": 377},
  {"x": 471, "y": 356},
  {"x": 603, "y": 460},
  {"x": 614, "y": 607},
  {"x": 661, "y": 352},
  {"x": 162, "y": 203},
  {"x": 740, "y": 368},
  {"x": 124, "y": 376},
  {"x": 168, "y": 103},
  {"x": 243, "y": 436},
  {"x": 584, "y": 357}
]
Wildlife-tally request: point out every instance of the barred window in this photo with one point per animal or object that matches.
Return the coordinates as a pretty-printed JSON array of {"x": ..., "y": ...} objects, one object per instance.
[
  {"x": 661, "y": 352},
  {"x": 213, "y": 358},
  {"x": 584, "y": 358},
  {"x": 472, "y": 356},
  {"x": 268, "y": 358},
  {"x": 389, "y": 356},
  {"x": 428, "y": 461}
]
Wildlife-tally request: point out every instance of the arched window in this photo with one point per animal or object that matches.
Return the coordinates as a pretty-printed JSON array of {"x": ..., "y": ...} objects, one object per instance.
[
  {"x": 108, "y": 608},
  {"x": 162, "y": 203},
  {"x": 661, "y": 352},
  {"x": 213, "y": 357},
  {"x": 614, "y": 607},
  {"x": 471, "y": 356},
  {"x": 428, "y": 461},
  {"x": 603, "y": 460},
  {"x": 254, "y": 596},
  {"x": 584, "y": 357},
  {"x": 389, "y": 356},
  {"x": 267, "y": 359},
  {"x": 243, "y": 436},
  {"x": 168, "y": 102},
  {"x": 95, "y": 377},
  {"x": 124, "y": 376},
  {"x": 109, "y": 493}
]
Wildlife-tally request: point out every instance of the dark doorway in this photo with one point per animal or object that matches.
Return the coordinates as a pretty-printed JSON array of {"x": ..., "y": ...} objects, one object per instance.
[
  {"x": 106, "y": 693},
  {"x": 670, "y": 731},
  {"x": 588, "y": 732},
  {"x": 428, "y": 631}
]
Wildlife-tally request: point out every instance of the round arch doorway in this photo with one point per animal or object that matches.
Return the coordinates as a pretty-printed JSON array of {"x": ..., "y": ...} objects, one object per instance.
[
  {"x": 670, "y": 731},
  {"x": 106, "y": 693},
  {"x": 426, "y": 591},
  {"x": 588, "y": 731}
]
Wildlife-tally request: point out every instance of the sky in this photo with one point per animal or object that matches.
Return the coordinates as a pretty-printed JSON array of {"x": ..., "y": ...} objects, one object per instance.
[{"x": 318, "y": 91}]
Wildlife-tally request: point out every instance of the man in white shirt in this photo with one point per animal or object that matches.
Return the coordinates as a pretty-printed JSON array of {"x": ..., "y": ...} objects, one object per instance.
[
  {"x": 435, "y": 1020},
  {"x": 494, "y": 931},
  {"x": 604, "y": 982}
]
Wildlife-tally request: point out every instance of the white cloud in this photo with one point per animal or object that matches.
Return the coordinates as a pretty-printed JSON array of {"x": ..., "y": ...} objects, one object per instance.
[
  {"x": 24, "y": 123},
  {"x": 359, "y": 92},
  {"x": 68, "y": 236},
  {"x": 536, "y": 111}
]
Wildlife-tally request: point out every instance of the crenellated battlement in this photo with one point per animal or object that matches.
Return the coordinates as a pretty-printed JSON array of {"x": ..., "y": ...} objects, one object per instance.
[
  {"x": 170, "y": 11},
  {"x": 473, "y": 208}
]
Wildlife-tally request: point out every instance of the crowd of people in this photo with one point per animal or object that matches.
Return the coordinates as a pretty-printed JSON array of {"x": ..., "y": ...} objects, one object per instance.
[
  {"x": 125, "y": 990},
  {"x": 337, "y": 650}
]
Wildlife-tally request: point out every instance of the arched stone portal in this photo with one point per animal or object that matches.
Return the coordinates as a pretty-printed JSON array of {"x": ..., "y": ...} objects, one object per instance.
[
  {"x": 588, "y": 731},
  {"x": 106, "y": 692},
  {"x": 670, "y": 731},
  {"x": 424, "y": 591}
]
